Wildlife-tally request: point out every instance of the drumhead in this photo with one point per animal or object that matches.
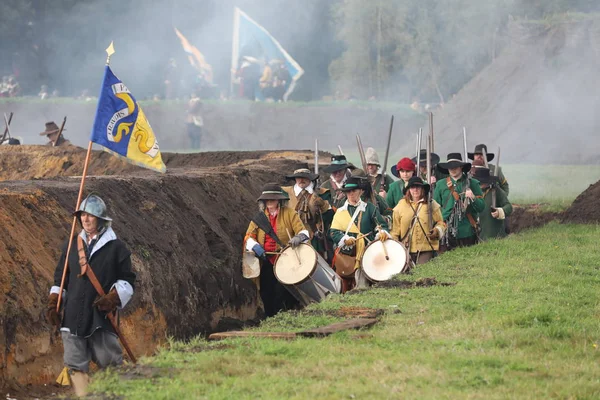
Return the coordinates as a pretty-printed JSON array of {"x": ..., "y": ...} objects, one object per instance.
[
  {"x": 295, "y": 265},
  {"x": 374, "y": 264}
]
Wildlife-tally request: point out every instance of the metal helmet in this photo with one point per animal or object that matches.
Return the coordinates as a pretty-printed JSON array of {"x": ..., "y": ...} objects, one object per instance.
[{"x": 95, "y": 206}]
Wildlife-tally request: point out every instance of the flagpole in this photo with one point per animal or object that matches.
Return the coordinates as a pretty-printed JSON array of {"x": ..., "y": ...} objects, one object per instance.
[{"x": 109, "y": 51}]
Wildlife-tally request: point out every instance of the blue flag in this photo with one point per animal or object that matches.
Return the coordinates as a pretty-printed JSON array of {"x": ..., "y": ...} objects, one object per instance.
[
  {"x": 121, "y": 126},
  {"x": 252, "y": 40}
]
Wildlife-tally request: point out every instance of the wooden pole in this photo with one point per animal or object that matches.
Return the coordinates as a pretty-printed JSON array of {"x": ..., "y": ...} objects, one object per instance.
[{"x": 81, "y": 186}]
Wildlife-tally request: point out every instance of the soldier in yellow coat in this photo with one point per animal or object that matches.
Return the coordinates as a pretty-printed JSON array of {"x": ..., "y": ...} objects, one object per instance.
[
  {"x": 273, "y": 228},
  {"x": 411, "y": 222}
]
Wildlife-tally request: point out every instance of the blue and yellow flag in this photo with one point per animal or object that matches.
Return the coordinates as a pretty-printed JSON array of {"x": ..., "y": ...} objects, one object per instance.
[{"x": 121, "y": 126}]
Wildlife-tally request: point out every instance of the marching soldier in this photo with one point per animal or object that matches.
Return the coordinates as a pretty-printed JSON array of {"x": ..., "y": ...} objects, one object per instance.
[
  {"x": 268, "y": 234},
  {"x": 52, "y": 133},
  {"x": 315, "y": 212},
  {"x": 477, "y": 155},
  {"x": 378, "y": 181},
  {"x": 461, "y": 200},
  {"x": 355, "y": 222},
  {"x": 411, "y": 222},
  {"x": 491, "y": 219},
  {"x": 339, "y": 170},
  {"x": 86, "y": 332},
  {"x": 404, "y": 170},
  {"x": 436, "y": 174},
  {"x": 370, "y": 196}
]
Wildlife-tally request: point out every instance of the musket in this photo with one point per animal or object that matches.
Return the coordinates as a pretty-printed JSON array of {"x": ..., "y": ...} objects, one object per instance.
[
  {"x": 317, "y": 162},
  {"x": 387, "y": 154},
  {"x": 419, "y": 143},
  {"x": 485, "y": 160},
  {"x": 465, "y": 155},
  {"x": 62, "y": 126},
  {"x": 429, "y": 210},
  {"x": 6, "y": 128},
  {"x": 431, "y": 130},
  {"x": 340, "y": 149},
  {"x": 361, "y": 152},
  {"x": 468, "y": 178},
  {"x": 497, "y": 175},
  {"x": 417, "y": 150}
]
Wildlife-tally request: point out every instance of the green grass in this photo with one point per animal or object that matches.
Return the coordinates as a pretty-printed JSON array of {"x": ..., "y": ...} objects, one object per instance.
[{"x": 521, "y": 322}]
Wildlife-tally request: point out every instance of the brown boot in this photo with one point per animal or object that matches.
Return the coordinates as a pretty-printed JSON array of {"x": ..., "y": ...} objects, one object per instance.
[{"x": 79, "y": 381}]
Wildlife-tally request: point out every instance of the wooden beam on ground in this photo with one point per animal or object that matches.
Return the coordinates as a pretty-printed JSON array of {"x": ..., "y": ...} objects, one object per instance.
[
  {"x": 242, "y": 334},
  {"x": 355, "y": 323}
]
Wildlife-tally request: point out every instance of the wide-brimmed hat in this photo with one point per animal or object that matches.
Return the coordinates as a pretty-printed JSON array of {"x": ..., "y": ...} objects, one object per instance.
[
  {"x": 423, "y": 161},
  {"x": 303, "y": 173},
  {"x": 353, "y": 182},
  {"x": 272, "y": 191},
  {"x": 338, "y": 163},
  {"x": 482, "y": 174},
  {"x": 405, "y": 164},
  {"x": 416, "y": 181},
  {"x": 360, "y": 173},
  {"x": 454, "y": 161},
  {"x": 479, "y": 150},
  {"x": 51, "y": 128},
  {"x": 371, "y": 157}
]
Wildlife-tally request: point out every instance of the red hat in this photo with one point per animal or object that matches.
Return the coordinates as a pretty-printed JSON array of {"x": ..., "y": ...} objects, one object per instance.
[{"x": 405, "y": 164}]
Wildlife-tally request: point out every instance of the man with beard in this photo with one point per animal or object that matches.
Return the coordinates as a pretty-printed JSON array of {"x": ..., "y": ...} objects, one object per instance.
[{"x": 340, "y": 171}]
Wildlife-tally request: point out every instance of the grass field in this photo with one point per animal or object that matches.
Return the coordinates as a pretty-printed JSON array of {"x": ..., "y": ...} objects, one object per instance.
[{"x": 521, "y": 321}]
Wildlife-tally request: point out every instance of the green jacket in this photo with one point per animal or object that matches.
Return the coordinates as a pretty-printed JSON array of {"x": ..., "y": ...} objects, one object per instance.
[
  {"x": 386, "y": 183},
  {"x": 490, "y": 226},
  {"x": 395, "y": 193},
  {"x": 336, "y": 198},
  {"x": 382, "y": 205},
  {"x": 370, "y": 220},
  {"x": 444, "y": 198}
]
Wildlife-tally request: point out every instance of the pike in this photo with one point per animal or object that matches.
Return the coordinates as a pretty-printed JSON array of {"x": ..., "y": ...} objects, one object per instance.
[
  {"x": 387, "y": 154},
  {"x": 496, "y": 174},
  {"x": 7, "y": 126}
]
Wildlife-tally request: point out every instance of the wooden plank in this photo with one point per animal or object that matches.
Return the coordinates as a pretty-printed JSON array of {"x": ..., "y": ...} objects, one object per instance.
[
  {"x": 242, "y": 334},
  {"x": 355, "y": 323},
  {"x": 359, "y": 312}
]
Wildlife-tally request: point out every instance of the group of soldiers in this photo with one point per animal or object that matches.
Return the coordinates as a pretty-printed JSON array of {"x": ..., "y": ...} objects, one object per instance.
[
  {"x": 53, "y": 133},
  {"x": 453, "y": 204}
]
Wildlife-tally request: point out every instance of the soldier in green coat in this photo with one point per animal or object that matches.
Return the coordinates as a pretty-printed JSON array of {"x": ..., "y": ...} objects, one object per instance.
[
  {"x": 372, "y": 197},
  {"x": 436, "y": 174},
  {"x": 461, "y": 200},
  {"x": 477, "y": 155},
  {"x": 404, "y": 170},
  {"x": 491, "y": 219}
]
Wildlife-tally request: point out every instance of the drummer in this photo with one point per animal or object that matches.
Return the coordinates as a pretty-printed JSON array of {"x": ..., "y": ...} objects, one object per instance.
[
  {"x": 411, "y": 222},
  {"x": 355, "y": 222},
  {"x": 314, "y": 211},
  {"x": 273, "y": 228},
  {"x": 404, "y": 170}
]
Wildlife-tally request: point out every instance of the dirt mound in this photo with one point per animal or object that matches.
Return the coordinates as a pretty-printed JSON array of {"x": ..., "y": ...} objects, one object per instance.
[
  {"x": 184, "y": 228},
  {"x": 586, "y": 207},
  {"x": 538, "y": 100},
  {"x": 529, "y": 216}
]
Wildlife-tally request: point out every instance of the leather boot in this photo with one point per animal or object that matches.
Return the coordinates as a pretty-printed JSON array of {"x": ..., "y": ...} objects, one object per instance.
[{"x": 79, "y": 381}]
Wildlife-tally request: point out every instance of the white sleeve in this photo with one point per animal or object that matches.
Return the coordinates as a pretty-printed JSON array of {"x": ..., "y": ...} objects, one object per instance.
[
  {"x": 250, "y": 243},
  {"x": 56, "y": 289},
  {"x": 305, "y": 232},
  {"x": 124, "y": 290},
  {"x": 343, "y": 240}
]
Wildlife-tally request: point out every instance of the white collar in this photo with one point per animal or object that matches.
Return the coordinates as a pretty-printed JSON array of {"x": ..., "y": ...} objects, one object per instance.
[
  {"x": 339, "y": 185},
  {"x": 362, "y": 206},
  {"x": 310, "y": 189},
  {"x": 106, "y": 237}
]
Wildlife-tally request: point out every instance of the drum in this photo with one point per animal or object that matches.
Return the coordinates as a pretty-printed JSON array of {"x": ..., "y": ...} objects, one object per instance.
[
  {"x": 306, "y": 275},
  {"x": 250, "y": 265},
  {"x": 376, "y": 267}
]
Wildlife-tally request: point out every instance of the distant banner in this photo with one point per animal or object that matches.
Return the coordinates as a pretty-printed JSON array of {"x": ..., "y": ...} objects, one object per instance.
[
  {"x": 121, "y": 126},
  {"x": 252, "y": 41},
  {"x": 196, "y": 58}
]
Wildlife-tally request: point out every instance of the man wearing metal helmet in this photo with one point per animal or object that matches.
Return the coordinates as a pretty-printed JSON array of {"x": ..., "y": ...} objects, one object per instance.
[{"x": 87, "y": 334}]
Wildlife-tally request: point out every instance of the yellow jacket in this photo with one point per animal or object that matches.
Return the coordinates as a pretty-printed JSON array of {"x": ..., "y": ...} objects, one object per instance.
[
  {"x": 403, "y": 223},
  {"x": 286, "y": 219},
  {"x": 315, "y": 204}
]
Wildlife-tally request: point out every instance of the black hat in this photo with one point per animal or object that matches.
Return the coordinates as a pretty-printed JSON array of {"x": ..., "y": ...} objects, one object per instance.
[
  {"x": 338, "y": 163},
  {"x": 353, "y": 182},
  {"x": 482, "y": 174},
  {"x": 272, "y": 191},
  {"x": 416, "y": 181},
  {"x": 360, "y": 173},
  {"x": 51, "y": 128},
  {"x": 303, "y": 173},
  {"x": 454, "y": 161},
  {"x": 479, "y": 150},
  {"x": 423, "y": 161}
]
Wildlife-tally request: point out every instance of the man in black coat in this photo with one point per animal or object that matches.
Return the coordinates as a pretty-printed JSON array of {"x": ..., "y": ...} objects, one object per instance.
[{"x": 86, "y": 332}]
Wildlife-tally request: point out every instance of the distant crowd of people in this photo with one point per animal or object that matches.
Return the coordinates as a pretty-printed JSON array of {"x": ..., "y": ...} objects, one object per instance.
[{"x": 261, "y": 80}]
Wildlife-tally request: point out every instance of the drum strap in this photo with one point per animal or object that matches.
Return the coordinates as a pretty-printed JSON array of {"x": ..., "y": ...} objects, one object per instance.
[{"x": 263, "y": 223}]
